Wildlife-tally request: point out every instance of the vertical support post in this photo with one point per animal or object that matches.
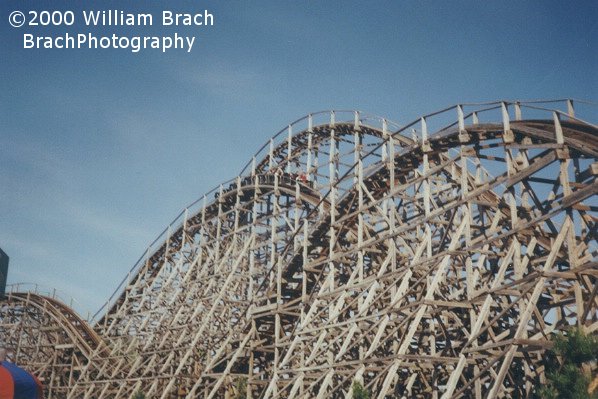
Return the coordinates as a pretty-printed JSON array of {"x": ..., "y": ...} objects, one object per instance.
[
  {"x": 460, "y": 117},
  {"x": 332, "y": 170},
  {"x": 309, "y": 154},
  {"x": 332, "y": 178},
  {"x": 218, "y": 225},
  {"x": 289, "y": 149},
  {"x": 426, "y": 184},
  {"x": 356, "y": 155},
  {"x": 303, "y": 273},
  {"x": 570, "y": 109},
  {"x": 508, "y": 138},
  {"x": 271, "y": 155},
  {"x": 506, "y": 123},
  {"x": 517, "y": 111},
  {"x": 391, "y": 156},
  {"x": 426, "y": 167},
  {"x": 358, "y": 181},
  {"x": 558, "y": 130},
  {"x": 237, "y": 204},
  {"x": 254, "y": 217}
]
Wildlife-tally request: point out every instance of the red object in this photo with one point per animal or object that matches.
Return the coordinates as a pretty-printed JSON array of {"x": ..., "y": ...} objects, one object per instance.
[
  {"x": 16, "y": 383},
  {"x": 7, "y": 389}
]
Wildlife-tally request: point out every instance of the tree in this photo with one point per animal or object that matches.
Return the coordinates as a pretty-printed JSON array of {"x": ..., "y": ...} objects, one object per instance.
[
  {"x": 359, "y": 392},
  {"x": 568, "y": 366},
  {"x": 241, "y": 388}
]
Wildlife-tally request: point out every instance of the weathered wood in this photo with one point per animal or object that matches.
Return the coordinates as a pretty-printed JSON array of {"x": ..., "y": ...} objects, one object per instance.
[{"x": 417, "y": 264}]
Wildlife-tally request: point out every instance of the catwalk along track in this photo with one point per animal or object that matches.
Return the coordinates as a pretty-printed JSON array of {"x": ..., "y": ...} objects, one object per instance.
[{"x": 433, "y": 259}]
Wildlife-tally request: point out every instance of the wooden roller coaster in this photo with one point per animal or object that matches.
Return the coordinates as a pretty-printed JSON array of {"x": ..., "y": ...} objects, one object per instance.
[{"x": 433, "y": 259}]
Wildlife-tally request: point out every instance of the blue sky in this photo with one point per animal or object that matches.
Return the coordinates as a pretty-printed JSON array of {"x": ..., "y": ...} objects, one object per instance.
[{"x": 101, "y": 149}]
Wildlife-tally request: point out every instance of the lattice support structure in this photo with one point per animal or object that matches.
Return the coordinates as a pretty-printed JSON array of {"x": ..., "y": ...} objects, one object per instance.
[{"x": 428, "y": 260}]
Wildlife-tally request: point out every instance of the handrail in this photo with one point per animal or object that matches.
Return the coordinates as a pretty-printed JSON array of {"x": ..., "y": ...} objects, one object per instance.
[{"x": 39, "y": 289}]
